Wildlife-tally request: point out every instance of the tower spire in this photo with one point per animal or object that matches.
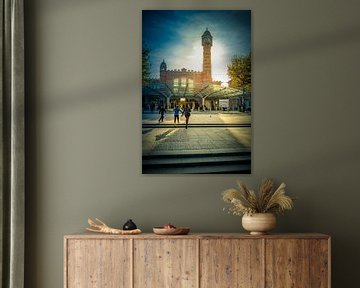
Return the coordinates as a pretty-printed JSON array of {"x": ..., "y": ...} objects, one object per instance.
[
  {"x": 206, "y": 41},
  {"x": 163, "y": 69}
]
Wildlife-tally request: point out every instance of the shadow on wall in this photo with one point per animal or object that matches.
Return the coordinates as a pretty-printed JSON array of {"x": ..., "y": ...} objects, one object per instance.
[
  {"x": 318, "y": 42},
  {"x": 123, "y": 89},
  {"x": 334, "y": 212},
  {"x": 66, "y": 4}
]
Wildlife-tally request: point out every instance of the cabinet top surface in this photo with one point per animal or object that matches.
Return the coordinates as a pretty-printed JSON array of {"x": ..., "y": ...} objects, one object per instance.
[{"x": 87, "y": 235}]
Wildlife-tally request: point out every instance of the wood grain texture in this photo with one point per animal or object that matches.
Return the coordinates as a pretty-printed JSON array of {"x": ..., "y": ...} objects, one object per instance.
[
  {"x": 287, "y": 263},
  {"x": 197, "y": 260},
  {"x": 98, "y": 264},
  {"x": 319, "y": 263},
  {"x": 231, "y": 263},
  {"x": 166, "y": 263},
  {"x": 88, "y": 235}
]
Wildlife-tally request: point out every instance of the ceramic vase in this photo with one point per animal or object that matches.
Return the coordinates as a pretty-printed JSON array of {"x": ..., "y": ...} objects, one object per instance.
[{"x": 259, "y": 223}]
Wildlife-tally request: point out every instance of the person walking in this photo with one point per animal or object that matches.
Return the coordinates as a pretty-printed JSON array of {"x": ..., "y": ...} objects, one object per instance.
[
  {"x": 162, "y": 111},
  {"x": 187, "y": 113},
  {"x": 176, "y": 114}
]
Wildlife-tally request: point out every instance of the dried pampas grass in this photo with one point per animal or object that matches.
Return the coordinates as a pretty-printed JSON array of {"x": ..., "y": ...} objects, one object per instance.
[{"x": 245, "y": 201}]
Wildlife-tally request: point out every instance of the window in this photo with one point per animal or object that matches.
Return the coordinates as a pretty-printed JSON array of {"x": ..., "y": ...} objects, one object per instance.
[
  {"x": 191, "y": 83},
  {"x": 183, "y": 82}
]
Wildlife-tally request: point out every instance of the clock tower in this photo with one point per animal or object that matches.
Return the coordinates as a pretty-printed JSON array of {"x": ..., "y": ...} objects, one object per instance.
[
  {"x": 206, "y": 41},
  {"x": 163, "y": 69}
]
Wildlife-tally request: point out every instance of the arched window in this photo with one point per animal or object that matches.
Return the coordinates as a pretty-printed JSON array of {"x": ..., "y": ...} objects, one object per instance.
[
  {"x": 183, "y": 82},
  {"x": 191, "y": 83}
]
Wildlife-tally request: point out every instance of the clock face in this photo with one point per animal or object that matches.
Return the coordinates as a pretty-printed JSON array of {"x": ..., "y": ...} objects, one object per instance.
[{"x": 206, "y": 40}]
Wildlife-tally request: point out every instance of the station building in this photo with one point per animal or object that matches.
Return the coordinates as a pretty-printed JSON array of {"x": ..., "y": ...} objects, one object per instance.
[{"x": 194, "y": 88}]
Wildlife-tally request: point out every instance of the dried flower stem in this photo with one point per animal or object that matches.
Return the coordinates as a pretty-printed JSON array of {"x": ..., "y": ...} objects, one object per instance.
[{"x": 245, "y": 201}]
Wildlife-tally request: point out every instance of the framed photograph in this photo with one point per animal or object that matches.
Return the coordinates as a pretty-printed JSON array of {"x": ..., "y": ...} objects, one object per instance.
[{"x": 196, "y": 91}]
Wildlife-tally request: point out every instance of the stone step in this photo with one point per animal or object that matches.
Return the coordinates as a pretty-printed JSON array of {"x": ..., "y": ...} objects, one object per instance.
[
  {"x": 191, "y": 154},
  {"x": 210, "y": 169},
  {"x": 198, "y": 163},
  {"x": 195, "y": 125}
]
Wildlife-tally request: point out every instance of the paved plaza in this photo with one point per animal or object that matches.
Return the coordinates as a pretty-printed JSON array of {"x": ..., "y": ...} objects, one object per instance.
[
  {"x": 201, "y": 118},
  {"x": 211, "y": 144}
]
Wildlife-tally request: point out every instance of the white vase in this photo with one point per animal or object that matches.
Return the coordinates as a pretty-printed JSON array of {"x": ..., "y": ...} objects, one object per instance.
[{"x": 259, "y": 223}]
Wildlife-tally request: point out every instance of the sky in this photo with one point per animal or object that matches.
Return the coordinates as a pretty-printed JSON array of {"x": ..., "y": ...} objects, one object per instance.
[{"x": 175, "y": 36}]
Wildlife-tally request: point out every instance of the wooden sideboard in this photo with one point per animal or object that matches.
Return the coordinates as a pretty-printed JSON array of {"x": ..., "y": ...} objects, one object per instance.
[{"x": 197, "y": 260}]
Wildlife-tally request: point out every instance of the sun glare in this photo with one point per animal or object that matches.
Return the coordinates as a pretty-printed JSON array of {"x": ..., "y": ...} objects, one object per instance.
[
  {"x": 193, "y": 61},
  {"x": 219, "y": 63}
]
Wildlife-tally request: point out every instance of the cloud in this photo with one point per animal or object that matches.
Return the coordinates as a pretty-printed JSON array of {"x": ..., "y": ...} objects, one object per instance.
[{"x": 176, "y": 37}]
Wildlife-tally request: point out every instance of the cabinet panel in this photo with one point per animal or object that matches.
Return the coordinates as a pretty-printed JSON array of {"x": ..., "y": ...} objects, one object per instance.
[
  {"x": 166, "y": 263},
  {"x": 231, "y": 263},
  {"x": 287, "y": 263},
  {"x": 319, "y": 263},
  {"x": 197, "y": 261},
  {"x": 98, "y": 263}
]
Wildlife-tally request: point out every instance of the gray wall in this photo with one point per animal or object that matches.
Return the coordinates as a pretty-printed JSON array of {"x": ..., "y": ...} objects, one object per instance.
[{"x": 84, "y": 138}]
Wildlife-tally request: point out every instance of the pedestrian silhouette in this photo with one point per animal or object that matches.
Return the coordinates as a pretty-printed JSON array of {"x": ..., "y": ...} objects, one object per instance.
[
  {"x": 176, "y": 114},
  {"x": 162, "y": 111},
  {"x": 187, "y": 114}
]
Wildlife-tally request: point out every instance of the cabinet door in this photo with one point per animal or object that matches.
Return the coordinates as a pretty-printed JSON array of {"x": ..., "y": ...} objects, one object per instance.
[
  {"x": 287, "y": 263},
  {"x": 320, "y": 263},
  {"x": 98, "y": 263},
  {"x": 297, "y": 263},
  {"x": 165, "y": 263},
  {"x": 231, "y": 263}
]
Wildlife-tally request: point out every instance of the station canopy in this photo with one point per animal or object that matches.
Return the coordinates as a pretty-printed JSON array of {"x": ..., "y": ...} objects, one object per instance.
[{"x": 204, "y": 90}]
